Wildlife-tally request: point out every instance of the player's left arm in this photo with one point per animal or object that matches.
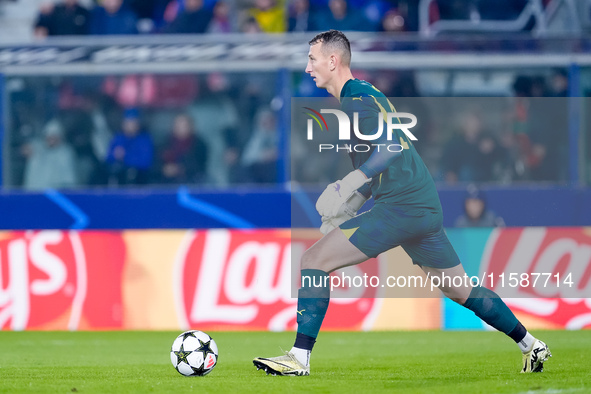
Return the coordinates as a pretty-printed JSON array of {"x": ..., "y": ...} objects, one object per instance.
[
  {"x": 368, "y": 109},
  {"x": 350, "y": 193}
]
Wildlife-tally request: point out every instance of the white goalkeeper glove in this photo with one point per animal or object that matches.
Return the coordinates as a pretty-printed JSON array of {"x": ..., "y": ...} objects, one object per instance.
[
  {"x": 336, "y": 194},
  {"x": 327, "y": 225},
  {"x": 346, "y": 211}
]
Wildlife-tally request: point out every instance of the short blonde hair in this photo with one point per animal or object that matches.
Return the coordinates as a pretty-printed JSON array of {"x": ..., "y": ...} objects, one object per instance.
[{"x": 334, "y": 41}]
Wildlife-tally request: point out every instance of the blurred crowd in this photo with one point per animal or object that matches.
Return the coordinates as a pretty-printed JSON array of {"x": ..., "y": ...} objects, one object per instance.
[
  {"x": 110, "y": 17},
  {"x": 532, "y": 147},
  {"x": 138, "y": 130},
  {"x": 518, "y": 138},
  {"x": 220, "y": 129}
]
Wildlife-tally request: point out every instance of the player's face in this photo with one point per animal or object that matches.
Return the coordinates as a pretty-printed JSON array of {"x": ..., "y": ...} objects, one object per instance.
[{"x": 318, "y": 66}]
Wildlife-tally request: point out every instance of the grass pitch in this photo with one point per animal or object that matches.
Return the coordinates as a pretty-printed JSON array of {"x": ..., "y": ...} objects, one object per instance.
[{"x": 394, "y": 362}]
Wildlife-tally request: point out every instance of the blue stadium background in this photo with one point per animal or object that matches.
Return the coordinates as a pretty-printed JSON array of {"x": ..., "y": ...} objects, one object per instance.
[{"x": 433, "y": 49}]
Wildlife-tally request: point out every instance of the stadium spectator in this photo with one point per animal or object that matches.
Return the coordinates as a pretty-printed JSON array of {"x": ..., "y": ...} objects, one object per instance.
[
  {"x": 340, "y": 17},
  {"x": 392, "y": 22},
  {"x": 373, "y": 11},
  {"x": 299, "y": 15},
  {"x": 131, "y": 153},
  {"x": 475, "y": 155},
  {"x": 193, "y": 19},
  {"x": 269, "y": 15},
  {"x": 250, "y": 26},
  {"x": 539, "y": 150},
  {"x": 476, "y": 213},
  {"x": 384, "y": 81},
  {"x": 103, "y": 111},
  {"x": 214, "y": 113},
  {"x": 221, "y": 21},
  {"x": 184, "y": 156},
  {"x": 538, "y": 87},
  {"x": 559, "y": 83},
  {"x": 232, "y": 154},
  {"x": 461, "y": 154},
  {"x": 51, "y": 162},
  {"x": 147, "y": 90},
  {"x": 409, "y": 9},
  {"x": 149, "y": 9},
  {"x": 261, "y": 152},
  {"x": 548, "y": 146},
  {"x": 79, "y": 130},
  {"x": 493, "y": 159},
  {"x": 113, "y": 17},
  {"x": 65, "y": 19}
]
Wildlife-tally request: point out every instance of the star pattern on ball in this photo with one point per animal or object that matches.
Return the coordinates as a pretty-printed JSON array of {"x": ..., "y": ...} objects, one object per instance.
[
  {"x": 198, "y": 371},
  {"x": 205, "y": 348},
  {"x": 188, "y": 334},
  {"x": 181, "y": 355}
]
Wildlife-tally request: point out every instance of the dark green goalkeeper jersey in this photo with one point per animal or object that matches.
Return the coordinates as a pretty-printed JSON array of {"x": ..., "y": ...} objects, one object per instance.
[{"x": 400, "y": 178}]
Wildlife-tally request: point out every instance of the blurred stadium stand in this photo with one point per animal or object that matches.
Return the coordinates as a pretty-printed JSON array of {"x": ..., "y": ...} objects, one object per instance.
[
  {"x": 542, "y": 17},
  {"x": 236, "y": 88}
]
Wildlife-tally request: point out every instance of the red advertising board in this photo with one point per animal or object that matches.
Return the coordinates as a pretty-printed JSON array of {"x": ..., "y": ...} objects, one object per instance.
[
  {"x": 60, "y": 280},
  {"x": 243, "y": 279},
  {"x": 558, "y": 258}
]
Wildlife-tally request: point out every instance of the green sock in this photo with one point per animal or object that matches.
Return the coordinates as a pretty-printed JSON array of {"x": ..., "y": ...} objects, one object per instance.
[
  {"x": 313, "y": 298},
  {"x": 487, "y": 305}
]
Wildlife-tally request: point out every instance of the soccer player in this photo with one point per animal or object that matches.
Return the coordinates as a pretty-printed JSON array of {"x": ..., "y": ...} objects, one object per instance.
[{"x": 407, "y": 212}]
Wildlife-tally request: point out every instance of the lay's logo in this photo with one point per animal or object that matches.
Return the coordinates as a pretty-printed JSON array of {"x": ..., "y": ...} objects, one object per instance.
[{"x": 562, "y": 251}]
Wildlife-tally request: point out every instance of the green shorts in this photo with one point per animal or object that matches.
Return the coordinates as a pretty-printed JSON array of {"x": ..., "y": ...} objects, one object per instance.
[{"x": 420, "y": 233}]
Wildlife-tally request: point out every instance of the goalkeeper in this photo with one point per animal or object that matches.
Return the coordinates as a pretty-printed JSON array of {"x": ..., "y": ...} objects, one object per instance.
[{"x": 407, "y": 213}]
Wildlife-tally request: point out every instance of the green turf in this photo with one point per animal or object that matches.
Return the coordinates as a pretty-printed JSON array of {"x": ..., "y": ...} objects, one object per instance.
[{"x": 404, "y": 362}]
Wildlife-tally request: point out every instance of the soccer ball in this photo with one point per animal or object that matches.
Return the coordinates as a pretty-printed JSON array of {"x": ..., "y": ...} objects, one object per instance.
[{"x": 194, "y": 353}]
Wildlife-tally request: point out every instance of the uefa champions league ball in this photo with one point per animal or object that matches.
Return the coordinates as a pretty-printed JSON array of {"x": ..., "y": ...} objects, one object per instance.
[{"x": 194, "y": 353}]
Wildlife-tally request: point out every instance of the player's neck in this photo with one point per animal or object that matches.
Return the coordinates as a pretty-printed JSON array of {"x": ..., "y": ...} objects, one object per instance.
[{"x": 338, "y": 82}]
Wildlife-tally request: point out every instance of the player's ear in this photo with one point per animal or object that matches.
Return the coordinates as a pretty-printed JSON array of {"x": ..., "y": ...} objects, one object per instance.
[{"x": 333, "y": 61}]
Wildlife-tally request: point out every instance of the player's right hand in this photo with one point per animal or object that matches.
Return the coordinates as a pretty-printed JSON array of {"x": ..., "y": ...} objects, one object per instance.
[
  {"x": 327, "y": 225},
  {"x": 332, "y": 198},
  {"x": 347, "y": 210}
]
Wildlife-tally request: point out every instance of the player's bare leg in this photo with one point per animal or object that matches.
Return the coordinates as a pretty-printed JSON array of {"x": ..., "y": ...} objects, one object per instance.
[
  {"x": 487, "y": 305},
  {"x": 457, "y": 294},
  {"x": 330, "y": 253}
]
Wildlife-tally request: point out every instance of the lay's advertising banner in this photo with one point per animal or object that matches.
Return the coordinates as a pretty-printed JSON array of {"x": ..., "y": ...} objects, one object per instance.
[
  {"x": 542, "y": 273},
  {"x": 242, "y": 280}
]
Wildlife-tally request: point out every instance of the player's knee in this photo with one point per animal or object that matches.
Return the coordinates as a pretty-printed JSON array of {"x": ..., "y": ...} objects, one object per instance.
[
  {"x": 457, "y": 295},
  {"x": 309, "y": 260},
  {"x": 312, "y": 259}
]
